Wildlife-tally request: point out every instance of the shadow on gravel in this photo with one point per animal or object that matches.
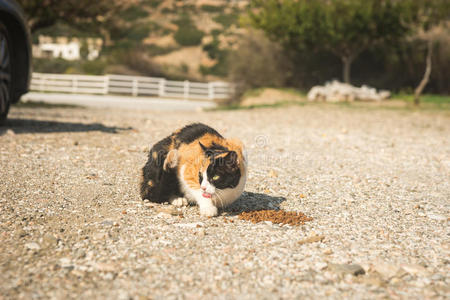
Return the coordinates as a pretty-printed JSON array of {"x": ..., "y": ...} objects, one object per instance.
[
  {"x": 252, "y": 202},
  {"x": 39, "y": 126}
]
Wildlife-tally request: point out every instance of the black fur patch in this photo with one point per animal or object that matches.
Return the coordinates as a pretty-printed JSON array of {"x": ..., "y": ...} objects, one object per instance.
[
  {"x": 191, "y": 132},
  {"x": 164, "y": 184},
  {"x": 226, "y": 169}
]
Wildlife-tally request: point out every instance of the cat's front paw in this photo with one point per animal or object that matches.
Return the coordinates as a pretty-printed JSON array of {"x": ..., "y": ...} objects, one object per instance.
[
  {"x": 181, "y": 201},
  {"x": 208, "y": 211}
]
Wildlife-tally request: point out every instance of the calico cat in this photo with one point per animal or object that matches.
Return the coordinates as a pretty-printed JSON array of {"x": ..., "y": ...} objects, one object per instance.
[{"x": 195, "y": 164}]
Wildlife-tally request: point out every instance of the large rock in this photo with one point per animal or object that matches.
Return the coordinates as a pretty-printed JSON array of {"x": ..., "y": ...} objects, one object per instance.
[{"x": 336, "y": 91}]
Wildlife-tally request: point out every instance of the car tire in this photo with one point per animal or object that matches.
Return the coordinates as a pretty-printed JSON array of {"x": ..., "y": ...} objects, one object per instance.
[{"x": 5, "y": 73}]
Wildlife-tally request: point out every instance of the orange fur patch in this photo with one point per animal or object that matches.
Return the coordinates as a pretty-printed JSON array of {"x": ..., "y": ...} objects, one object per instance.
[{"x": 193, "y": 157}]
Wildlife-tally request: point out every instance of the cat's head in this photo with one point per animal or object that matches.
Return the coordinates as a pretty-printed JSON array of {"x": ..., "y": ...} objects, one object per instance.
[{"x": 222, "y": 169}]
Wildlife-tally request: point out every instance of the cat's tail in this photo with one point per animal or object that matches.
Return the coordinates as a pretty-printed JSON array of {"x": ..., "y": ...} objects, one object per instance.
[
  {"x": 151, "y": 176},
  {"x": 159, "y": 176}
]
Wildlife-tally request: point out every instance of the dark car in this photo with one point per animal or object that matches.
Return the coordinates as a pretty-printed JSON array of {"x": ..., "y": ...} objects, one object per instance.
[{"x": 15, "y": 55}]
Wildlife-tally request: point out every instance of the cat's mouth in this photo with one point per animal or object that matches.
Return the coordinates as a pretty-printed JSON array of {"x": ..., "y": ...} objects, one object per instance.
[{"x": 206, "y": 195}]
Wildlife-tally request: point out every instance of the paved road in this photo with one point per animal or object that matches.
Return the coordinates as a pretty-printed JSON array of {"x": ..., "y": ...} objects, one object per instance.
[{"x": 127, "y": 102}]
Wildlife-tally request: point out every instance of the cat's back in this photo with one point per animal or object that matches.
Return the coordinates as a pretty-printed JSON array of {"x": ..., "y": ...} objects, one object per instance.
[{"x": 193, "y": 132}]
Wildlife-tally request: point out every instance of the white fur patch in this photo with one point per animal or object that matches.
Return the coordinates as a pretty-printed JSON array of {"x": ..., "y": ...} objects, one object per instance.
[
  {"x": 225, "y": 197},
  {"x": 180, "y": 201},
  {"x": 220, "y": 198}
]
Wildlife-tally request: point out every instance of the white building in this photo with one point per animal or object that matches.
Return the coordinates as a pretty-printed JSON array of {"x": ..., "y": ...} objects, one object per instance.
[{"x": 62, "y": 47}]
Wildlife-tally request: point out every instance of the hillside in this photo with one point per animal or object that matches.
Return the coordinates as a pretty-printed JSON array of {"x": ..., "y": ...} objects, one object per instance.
[{"x": 179, "y": 39}]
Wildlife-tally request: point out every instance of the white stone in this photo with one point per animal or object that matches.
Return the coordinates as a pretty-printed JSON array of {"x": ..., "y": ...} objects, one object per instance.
[
  {"x": 437, "y": 217},
  {"x": 33, "y": 246},
  {"x": 190, "y": 225},
  {"x": 339, "y": 92}
]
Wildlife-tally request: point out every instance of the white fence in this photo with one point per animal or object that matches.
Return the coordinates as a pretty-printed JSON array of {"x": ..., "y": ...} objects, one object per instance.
[{"x": 129, "y": 85}]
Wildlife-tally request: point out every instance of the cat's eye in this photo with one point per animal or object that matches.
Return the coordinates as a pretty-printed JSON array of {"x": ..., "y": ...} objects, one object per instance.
[{"x": 216, "y": 177}]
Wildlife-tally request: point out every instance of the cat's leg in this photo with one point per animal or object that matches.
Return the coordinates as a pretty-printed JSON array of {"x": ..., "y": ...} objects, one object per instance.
[
  {"x": 206, "y": 206},
  {"x": 179, "y": 202}
]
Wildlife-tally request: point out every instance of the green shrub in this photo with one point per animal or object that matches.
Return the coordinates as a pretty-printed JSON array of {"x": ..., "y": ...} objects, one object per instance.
[
  {"x": 94, "y": 67},
  {"x": 212, "y": 8},
  {"x": 134, "y": 13},
  {"x": 184, "y": 68},
  {"x": 227, "y": 19},
  {"x": 152, "y": 3},
  {"x": 216, "y": 32},
  {"x": 52, "y": 65},
  {"x": 184, "y": 20},
  {"x": 221, "y": 68},
  {"x": 167, "y": 10},
  {"x": 138, "y": 32},
  {"x": 154, "y": 50},
  {"x": 187, "y": 33},
  {"x": 188, "y": 36},
  {"x": 189, "y": 7},
  {"x": 213, "y": 49},
  {"x": 137, "y": 61},
  {"x": 258, "y": 62}
]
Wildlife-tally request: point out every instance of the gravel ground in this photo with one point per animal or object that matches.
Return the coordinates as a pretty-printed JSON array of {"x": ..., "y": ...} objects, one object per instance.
[{"x": 376, "y": 183}]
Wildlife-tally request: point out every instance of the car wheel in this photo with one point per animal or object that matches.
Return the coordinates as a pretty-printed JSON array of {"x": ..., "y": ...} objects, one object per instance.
[{"x": 5, "y": 73}]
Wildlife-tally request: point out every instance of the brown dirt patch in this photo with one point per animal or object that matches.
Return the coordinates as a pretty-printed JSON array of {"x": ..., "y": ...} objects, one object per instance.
[
  {"x": 275, "y": 216},
  {"x": 272, "y": 96}
]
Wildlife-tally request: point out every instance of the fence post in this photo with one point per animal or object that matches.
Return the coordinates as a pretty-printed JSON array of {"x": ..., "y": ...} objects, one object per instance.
[
  {"x": 41, "y": 86},
  {"x": 74, "y": 85},
  {"x": 106, "y": 85},
  {"x": 230, "y": 90},
  {"x": 186, "y": 90},
  {"x": 161, "y": 91},
  {"x": 135, "y": 87},
  {"x": 211, "y": 90}
]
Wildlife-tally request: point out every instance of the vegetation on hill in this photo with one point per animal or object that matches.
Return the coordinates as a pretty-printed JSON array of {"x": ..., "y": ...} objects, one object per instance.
[{"x": 300, "y": 43}]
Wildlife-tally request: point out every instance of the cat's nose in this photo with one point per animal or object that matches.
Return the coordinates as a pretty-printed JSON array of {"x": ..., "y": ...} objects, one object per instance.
[{"x": 203, "y": 187}]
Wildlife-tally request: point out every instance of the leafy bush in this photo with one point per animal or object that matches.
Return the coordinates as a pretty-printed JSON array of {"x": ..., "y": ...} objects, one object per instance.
[
  {"x": 184, "y": 20},
  {"x": 216, "y": 32},
  {"x": 94, "y": 67},
  {"x": 213, "y": 48},
  {"x": 138, "y": 32},
  {"x": 51, "y": 65},
  {"x": 152, "y": 3},
  {"x": 137, "y": 61},
  {"x": 258, "y": 62},
  {"x": 212, "y": 8},
  {"x": 62, "y": 66},
  {"x": 188, "y": 36},
  {"x": 227, "y": 19},
  {"x": 221, "y": 55},
  {"x": 154, "y": 50},
  {"x": 134, "y": 13},
  {"x": 220, "y": 69},
  {"x": 187, "y": 33},
  {"x": 156, "y": 28},
  {"x": 167, "y": 10}
]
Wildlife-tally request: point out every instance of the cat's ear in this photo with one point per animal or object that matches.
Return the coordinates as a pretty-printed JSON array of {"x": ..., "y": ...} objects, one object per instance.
[
  {"x": 171, "y": 160},
  {"x": 231, "y": 159},
  {"x": 203, "y": 147},
  {"x": 208, "y": 152}
]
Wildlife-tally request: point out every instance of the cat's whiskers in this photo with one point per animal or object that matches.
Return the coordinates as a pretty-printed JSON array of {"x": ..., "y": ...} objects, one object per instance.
[{"x": 220, "y": 197}]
